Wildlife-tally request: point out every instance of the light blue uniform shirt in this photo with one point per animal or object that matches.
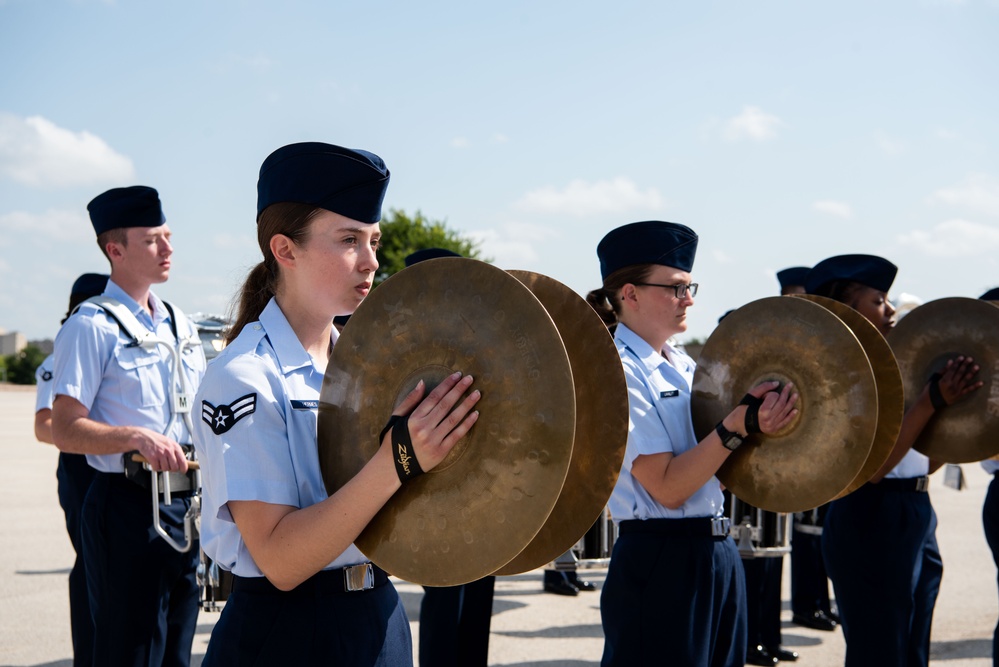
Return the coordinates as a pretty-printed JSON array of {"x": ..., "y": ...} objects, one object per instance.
[
  {"x": 119, "y": 384},
  {"x": 659, "y": 421},
  {"x": 255, "y": 435},
  {"x": 991, "y": 466},
  {"x": 43, "y": 385},
  {"x": 913, "y": 464}
]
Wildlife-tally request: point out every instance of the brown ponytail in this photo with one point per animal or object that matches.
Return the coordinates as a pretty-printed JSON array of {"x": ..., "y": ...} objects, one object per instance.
[
  {"x": 290, "y": 219},
  {"x": 605, "y": 300}
]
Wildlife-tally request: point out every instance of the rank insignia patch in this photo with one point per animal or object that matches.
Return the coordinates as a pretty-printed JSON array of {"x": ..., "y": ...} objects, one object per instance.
[{"x": 223, "y": 417}]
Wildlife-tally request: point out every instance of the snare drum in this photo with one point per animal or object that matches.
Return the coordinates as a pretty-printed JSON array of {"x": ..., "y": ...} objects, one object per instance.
[
  {"x": 758, "y": 533},
  {"x": 214, "y": 584}
]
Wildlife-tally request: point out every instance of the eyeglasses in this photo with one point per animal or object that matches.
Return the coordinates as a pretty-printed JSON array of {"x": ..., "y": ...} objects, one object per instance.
[{"x": 680, "y": 289}]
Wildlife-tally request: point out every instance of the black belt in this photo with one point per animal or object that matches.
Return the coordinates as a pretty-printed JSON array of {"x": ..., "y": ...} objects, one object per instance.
[
  {"x": 350, "y": 579},
  {"x": 706, "y": 526},
  {"x": 912, "y": 484}
]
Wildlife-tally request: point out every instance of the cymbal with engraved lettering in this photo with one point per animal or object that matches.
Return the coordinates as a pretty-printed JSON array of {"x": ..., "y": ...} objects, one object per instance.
[
  {"x": 923, "y": 341},
  {"x": 891, "y": 397},
  {"x": 489, "y": 497},
  {"x": 601, "y": 423},
  {"x": 822, "y": 450}
]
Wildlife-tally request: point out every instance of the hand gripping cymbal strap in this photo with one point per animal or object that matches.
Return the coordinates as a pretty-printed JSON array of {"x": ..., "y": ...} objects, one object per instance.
[
  {"x": 752, "y": 413},
  {"x": 181, "y": 398},
  {"x": 406, "y": 465}
]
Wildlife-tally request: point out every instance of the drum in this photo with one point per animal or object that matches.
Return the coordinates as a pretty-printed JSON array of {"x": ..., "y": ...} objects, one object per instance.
[
  {"x": 214, "y": 584},
  {"x": 758, "y": 533},
  {"x": 596, "y": 545}
]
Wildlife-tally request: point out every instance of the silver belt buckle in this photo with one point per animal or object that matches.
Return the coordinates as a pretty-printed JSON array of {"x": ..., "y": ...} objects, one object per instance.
[
  {"x": 358, "y": 577},
  {"x": 923, "y": 484},
  {"x": 720, "y": 526}
]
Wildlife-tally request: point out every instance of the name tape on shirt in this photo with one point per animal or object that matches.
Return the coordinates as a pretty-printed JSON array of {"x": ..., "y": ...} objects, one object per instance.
[
  {"x": 304, "y": 405},
  {"x": 672, "y": 393},
  {"x": 223, "y": 417}
]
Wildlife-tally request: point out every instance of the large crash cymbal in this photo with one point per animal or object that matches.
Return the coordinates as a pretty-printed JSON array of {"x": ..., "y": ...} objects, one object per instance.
[
  {"x": 823, "y": 449},
  {"x": 601, "y": 422},
  {"x": 891, "y": 397},
  {"x": 489, "y": 497},
  {"x": 923, "y": 341}
]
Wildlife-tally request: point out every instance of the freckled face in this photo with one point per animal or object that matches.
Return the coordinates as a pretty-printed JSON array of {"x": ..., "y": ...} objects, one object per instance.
[{"x": 338, "y": 262}]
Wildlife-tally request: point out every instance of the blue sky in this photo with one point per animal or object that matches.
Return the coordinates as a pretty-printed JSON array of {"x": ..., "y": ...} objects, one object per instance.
[{"x": 782, "y": 132}]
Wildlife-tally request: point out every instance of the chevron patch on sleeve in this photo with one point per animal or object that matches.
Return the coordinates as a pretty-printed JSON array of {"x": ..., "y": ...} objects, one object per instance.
[{"x": 223, "y": 417}]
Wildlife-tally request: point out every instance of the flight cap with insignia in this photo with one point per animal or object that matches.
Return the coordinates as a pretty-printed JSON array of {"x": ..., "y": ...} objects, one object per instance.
[
  {"x": 870, "y": 270},
  {"x": 349, "y": 182},
  {"x": 792, "y": 277},
  {"x": 428, "y": 253},
  {"x": 135, "y": 206},
  {"x": 991, "y": 295},
  {"x": 649, "y": 242}
]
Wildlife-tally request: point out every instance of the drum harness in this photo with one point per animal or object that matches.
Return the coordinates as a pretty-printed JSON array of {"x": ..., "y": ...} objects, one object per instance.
[{"x": 181, "y": 398}]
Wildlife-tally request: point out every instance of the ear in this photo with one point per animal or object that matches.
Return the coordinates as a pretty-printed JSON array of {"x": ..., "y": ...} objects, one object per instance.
[
  {"x": 629, "y": 296},
  {"x": 284, "y": 250},
  {"x": 115, "y": 251}
]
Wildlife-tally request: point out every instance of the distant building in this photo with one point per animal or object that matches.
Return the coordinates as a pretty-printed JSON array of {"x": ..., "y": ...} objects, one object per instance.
[
  {"x": 12, "y": 343},
  {"x": 46, "y": 345}
]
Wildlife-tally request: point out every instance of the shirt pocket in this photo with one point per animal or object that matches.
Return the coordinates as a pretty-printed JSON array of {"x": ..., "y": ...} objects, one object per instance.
[{"x": 141, "y": 382}]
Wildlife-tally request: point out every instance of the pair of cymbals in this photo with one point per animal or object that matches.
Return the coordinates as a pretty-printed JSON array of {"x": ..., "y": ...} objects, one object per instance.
[
  {"x": 540, "y": 463},
  {"x": 843, "y": 428},
  {"x": 923, "y": 341}
]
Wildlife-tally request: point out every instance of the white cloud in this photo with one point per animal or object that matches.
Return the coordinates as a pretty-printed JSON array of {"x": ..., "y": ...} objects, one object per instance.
[
  {"x": 459, "y": 142},
  {"x": 581, "y": 198},
  {"x": 35, "y": 151},
  {"x": 979, "y": 193},
  {"x": 753, "y": 123},
  {"x": 721, "y": 256},
  {"x": 954, "y": 238},
  {"x": 514, "y": 244},
  {"x": 226, "y": 241},
  {"x": 838, "y": 208},
  {"x": 946, "y": 134},
  {"x": 53, "y": 225},
  {"x": 889, "y": 145},
  {"x": 500, "y": 138}
]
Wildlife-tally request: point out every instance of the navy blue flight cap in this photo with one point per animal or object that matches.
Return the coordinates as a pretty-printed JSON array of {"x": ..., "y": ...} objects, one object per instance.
[
  {"x": 349, "y": 182},
  {"x": 428, "y": 253},
  {"x": 649, "y": 242},
  {"x": 135, "y": 206},
  {"x": 89, "y": 284},
  {"x": 991, "y": 295},
  {"x": 869, "y": 270},
  {"x": 792, "y": 276}
]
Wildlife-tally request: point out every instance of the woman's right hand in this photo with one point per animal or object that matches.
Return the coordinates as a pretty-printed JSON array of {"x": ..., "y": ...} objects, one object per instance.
[
  {"x": 439, "y": 420},
  {"x": 777, "y": 409}
]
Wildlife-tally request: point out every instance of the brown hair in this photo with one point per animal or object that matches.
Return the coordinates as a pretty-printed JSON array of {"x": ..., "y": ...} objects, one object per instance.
[
  {"x": 844, "y": 291},
  {"x": 290, "y": 219},
  {"x": 118, "y": 235},
  {"x": 605, "y": 301}
]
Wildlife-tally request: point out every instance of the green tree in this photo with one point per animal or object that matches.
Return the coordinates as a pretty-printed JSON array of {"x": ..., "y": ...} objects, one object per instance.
[
  {"x": 21, "y": 367},
  {"x": 403, "y": 235}
]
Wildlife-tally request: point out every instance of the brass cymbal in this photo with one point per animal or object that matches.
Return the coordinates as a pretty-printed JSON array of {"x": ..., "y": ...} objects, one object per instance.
[
  {"x": 601, "y": 422},
  {"x": 891, "y": 398},
  {"x": 489, "y": 497},
  {"x": 823, "y": 449},
  {"x": 923, "y": 341}
]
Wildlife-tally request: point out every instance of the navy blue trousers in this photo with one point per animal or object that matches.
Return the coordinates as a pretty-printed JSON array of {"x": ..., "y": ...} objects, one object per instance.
[
  {"x": 310, "y": 627},
  {"x": 881, "y": 554},
  {"x": 673, "y": 601},
  {"x": 763, "y": 583},
  {"x": 454, "y": 624},
  {"x": 990, "y": 520},
  {"x": 143, "y": 593},
  {"x": 74, "y": 475},
  {"x": 809, "y": 582}
]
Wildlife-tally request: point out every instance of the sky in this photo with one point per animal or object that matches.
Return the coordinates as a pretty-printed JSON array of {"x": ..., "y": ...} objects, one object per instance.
[{"x": 781, "y": 131}]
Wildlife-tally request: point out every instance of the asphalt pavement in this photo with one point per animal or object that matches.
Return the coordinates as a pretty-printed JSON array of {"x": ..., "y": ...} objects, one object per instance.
[{"x": 530, "y": 628}]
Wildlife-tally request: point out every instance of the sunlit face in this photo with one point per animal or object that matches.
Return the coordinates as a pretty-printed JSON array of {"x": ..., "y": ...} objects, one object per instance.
[
  {"x": 659, "y": 306},
  {"x": 337, "y": 263},
  {"x": 145, "y": 257},
  {"x": 874, "y": 305}
]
